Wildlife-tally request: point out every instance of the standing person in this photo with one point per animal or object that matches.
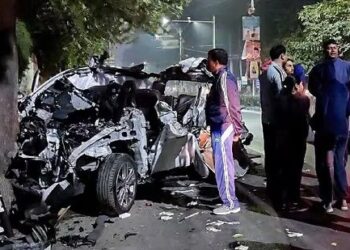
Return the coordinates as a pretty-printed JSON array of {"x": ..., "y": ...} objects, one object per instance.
[
  {"x": 292, "y": 130},
  {"x": 329, "y": 82},
  {"x": 271, "y": 85},
  {"x": 224, "y": 117}
]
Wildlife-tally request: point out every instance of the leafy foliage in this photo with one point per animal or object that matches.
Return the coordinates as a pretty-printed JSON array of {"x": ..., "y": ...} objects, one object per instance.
[
  {"x": 321, "y": 21},
  {"x": 24, "y": 46},
  {"x": 66, "y": 32},
  {"x": 278, "y": 20}
]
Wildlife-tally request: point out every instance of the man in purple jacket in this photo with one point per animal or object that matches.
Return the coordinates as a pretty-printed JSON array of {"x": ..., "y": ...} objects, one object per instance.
[{"x": 224, "y": 117}]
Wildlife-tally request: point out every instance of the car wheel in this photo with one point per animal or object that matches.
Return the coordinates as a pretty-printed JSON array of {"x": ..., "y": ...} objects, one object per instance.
[{"x": 117, "y": 184}]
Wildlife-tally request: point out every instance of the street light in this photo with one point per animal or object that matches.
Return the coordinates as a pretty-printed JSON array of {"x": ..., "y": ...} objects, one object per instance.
[
  {"x": 213, "y": 22},
  {"x": 166, "y": 21}
]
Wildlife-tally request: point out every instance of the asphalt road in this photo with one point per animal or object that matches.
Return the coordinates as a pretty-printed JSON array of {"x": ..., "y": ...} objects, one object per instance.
[{"x": 191, "y": 225}]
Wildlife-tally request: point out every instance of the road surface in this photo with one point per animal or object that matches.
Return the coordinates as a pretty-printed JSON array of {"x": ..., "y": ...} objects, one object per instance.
[{"x": 189, "y": 223}]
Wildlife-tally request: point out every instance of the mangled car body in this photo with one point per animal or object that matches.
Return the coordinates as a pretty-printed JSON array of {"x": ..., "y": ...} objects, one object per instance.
[{"x": 116, "y": 124}]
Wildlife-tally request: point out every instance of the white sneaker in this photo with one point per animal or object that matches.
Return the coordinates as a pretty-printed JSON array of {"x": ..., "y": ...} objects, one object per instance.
[
  {"x": 224, "y": 210},
  {"x": 344, "y": 205},
  {"x": 328, "y": 208}
]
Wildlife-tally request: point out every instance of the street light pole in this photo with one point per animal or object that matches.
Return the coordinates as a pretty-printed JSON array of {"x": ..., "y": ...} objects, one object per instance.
[
  {"x": 180, "y": 43},
  {"x": 189, "y": 20},
  {"x": 214, "y": 32}
]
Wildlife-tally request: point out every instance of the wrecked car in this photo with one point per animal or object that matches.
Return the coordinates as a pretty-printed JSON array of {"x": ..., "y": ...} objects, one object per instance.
[
  {"x": 116, "y": 126},
  {"x": 113, "y": 123}
]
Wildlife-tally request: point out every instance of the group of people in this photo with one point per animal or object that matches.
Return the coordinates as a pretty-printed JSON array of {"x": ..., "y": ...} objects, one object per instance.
[
  {"x": 285, "y": 102},
  {"x": 286, "y": 120}
]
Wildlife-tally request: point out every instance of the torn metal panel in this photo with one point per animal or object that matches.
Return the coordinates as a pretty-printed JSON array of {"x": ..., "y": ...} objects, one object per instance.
[
  {"x": 131, "y": 128},
  {"x": 168, "y": 146}
]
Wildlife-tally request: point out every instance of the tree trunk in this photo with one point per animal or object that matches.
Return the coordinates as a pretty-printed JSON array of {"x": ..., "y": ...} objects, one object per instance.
[{"x": 8, "y": 93}]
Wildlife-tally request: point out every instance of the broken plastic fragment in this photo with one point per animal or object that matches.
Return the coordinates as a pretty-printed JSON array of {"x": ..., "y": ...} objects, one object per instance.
[
  {"x": 166, "y": 218},
  {"x": 124, "y": 216},
  {"x": 192, "y": 204},
  {"x": 291, "y": 234},
  {"x": 334, "y": 244},
  {"x": 190, "y": 216},
  {"x": 237, "y": 236},
  {"x": 220, "y": 223},
  {"x": 166, "y": 214},
  {"x": 213, "y": 229},
  {"x": 241, "y": 247},
  {"x": 182, "y": 191}
]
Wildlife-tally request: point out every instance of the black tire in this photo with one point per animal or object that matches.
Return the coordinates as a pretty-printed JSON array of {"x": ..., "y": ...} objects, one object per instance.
[{"x": 114, "y": 198}]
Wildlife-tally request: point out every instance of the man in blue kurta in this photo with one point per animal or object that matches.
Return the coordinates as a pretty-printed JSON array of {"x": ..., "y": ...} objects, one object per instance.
[
  {"x": 224, "y": 117},
  {"x": 330, "y": 82}
]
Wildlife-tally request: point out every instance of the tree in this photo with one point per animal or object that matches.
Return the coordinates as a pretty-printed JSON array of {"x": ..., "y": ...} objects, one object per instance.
[
  {"x": 8, "y": 92},
  {"x": 321, "y": 21},
  {"x": 24, "y": 46},
  {"x": 278, "y": 20},
  {"x": 66, "y": 32}
]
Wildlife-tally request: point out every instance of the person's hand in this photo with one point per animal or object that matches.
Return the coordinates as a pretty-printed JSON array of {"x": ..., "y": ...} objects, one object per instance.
[
  {"x": 236, "y": 138},
  {"x": 299, "y": 88}
]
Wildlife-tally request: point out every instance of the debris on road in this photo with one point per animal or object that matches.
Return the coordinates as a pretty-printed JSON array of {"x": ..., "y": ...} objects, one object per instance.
[
  {"x": 169, "y": 207},
  {"x": 99, "y": 227},
  {"x": 89, "y": 240},
  {"x": 334, "y": 244},
  {"x": 127, "y": 235},
  {"x": 220, "y": 223},
  {"x": 237, "y": 236},
  {"x": 74, "y": 241},
  {"x": 166, "y": 216},
  {"x": 191, "y": 215},
  {"x": 213, "y": 226},
  {"x": 213, "y": 229},
  {"x": 124, "y": 216},
  {"x": 192, "y": 204},
  {"x": 291, "y": 234},
  {"x": 241, "y": 247},
  {"x": 182, "y": 191}
]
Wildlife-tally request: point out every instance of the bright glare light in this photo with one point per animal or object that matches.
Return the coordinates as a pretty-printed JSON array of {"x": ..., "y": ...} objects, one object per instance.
[{"x": 165, "y": 21}]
